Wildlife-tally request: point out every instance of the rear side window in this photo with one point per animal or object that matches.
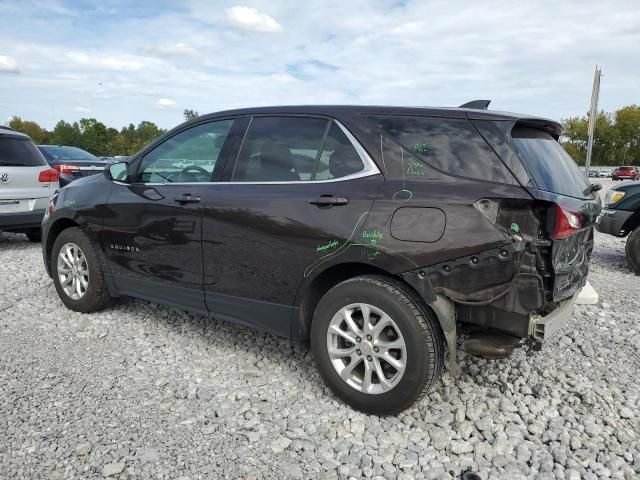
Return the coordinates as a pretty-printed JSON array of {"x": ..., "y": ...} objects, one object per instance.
[
  {"x": 551, "y": 167},
  {"x": 448, "y": 144},
  {"x": 291, "y": 149},
  {"x": 19, "y": 152},
  {"x": 338, "y": 158}
]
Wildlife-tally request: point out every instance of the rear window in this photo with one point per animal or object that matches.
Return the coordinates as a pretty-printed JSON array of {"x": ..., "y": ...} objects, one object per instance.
[
  {"x": 67, "y": 154},
  {"x": 550, "y": 165},
  {"x": 19, "y": 152},
  {"x": 449, "y": 144}
]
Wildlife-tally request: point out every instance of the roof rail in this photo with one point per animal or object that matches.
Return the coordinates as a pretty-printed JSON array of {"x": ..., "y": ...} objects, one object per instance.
[
  {"x": 477, "y": 104},
  {"x": 7, "y": 128}
]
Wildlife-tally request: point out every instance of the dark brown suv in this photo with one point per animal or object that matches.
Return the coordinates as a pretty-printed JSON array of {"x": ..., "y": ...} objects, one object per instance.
[{"x": 382, "y": 234}]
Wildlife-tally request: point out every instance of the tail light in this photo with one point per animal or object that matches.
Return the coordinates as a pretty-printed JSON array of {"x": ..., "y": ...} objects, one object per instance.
[
  {"x": 48, "y": 176},
  {"x": 567, "y": 223},
  {"x": 68, "y": 169}
]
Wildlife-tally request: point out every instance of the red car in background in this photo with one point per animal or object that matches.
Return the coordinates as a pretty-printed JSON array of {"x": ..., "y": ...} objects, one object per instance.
[{"x": 626, "y": 173}]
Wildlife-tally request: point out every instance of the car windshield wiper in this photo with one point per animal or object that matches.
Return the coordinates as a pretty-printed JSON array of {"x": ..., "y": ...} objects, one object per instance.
[{"x": 594, "y": 187}]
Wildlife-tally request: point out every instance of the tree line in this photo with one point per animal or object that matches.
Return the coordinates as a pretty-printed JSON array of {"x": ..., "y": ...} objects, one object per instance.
[
  {"x": 94, "y": 136},
  {"x": 616, "y": 141}
]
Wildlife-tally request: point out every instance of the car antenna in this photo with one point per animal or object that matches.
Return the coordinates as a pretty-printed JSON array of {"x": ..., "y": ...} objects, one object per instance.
[{"x": 477, "y": 104}]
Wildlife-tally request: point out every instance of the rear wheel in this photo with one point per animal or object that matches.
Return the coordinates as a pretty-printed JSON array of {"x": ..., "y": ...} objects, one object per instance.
[
  {"x": 376, "y": 346},
  {"x": 632, "y": 249},
  {"x": 77, "y": 273}
]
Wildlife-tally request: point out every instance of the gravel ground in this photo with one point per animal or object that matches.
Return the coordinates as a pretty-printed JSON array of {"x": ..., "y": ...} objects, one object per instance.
[{"x": 144, "y": 391}]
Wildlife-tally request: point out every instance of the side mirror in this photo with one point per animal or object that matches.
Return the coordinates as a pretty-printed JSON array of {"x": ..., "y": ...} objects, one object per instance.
[{"x": 117, "y": 172}]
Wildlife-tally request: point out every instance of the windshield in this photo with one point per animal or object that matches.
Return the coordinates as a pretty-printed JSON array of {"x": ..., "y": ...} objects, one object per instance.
[
  {"x": 67, "y": 154},
  {"x": 19, "y": 152},
  {"x": 550, "y": 165}
]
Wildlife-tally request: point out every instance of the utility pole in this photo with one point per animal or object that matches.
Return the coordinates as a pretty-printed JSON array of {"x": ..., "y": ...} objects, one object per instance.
[{"x": 593, "y": 113}]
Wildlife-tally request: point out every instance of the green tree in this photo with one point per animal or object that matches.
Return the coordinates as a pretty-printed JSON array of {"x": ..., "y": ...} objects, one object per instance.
[
  {"x": 627, "y": 135},
  {"x": 190, "y": 114},
  {"x": 65, "y": 133},
  {"x": 38, "y": 134}
]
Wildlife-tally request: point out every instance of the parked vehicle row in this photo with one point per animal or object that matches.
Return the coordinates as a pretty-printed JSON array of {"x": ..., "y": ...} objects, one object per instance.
[{"x": 382, "y": 234}]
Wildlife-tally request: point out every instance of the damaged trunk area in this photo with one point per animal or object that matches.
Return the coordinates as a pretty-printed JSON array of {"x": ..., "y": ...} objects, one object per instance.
[{"x": 543, "y": 262}]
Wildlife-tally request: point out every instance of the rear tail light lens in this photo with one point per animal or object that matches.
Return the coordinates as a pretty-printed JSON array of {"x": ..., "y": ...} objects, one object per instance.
[
  {"x": 567, "y": 223},
  {"x": 68, "y": 169},
  {"x": 613, "y": 196},
  {"x": 48, "y": 176}
]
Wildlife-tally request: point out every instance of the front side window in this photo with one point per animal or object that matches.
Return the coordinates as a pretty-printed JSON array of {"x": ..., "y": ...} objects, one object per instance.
[
  {"x": 190, "y": 156},
  {"x": 282, "y": 149}
]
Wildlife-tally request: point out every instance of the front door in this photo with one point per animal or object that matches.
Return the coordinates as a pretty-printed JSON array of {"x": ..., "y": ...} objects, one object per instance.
[
  {"x": 152, "y": 233},
  {"x": 298, "y": 191}
]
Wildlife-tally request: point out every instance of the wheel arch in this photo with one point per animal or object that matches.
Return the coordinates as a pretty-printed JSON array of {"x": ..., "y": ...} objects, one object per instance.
[
  {"x": 632, "y": 222},
  {"x": 56, "y": 228},
  {"x": 310, "y": 293}
]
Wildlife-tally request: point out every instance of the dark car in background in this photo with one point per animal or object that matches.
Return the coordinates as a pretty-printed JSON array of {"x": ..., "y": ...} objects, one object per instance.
[
  {"x": 620, "y": 217},
  {"x": 626, "y": 173},
  {"x": 72, "y": 163},
  {"x": 382, "y": 234}
]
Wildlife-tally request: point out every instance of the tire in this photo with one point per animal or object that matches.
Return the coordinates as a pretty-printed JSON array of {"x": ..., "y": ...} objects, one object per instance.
[
  {"x": 417, "y": 328},
  {"x": 95, "y": 295},
  {"x": 632, "y": 250},
  {"x": 34, "y": 235}
]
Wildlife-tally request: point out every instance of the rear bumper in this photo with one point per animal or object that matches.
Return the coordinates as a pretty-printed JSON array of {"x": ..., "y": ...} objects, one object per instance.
[
  {"x": 611, "y": 221},
  {"x": 21, "y": 220},
  {"x": 541, "y": 328}
]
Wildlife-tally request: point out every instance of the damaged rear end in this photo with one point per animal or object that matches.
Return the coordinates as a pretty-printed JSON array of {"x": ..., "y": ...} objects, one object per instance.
[{"x": 551, "y": 239}]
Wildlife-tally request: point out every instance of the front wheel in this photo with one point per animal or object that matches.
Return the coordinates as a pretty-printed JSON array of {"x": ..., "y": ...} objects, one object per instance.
[
  {"x": 77, "y": 273},
  {"x": 632, "y": 249},
  {"x": 376, "y": 346}
]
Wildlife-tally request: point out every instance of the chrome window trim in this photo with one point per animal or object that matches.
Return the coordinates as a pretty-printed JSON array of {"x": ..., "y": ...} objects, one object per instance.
[{"x": 370, "y": 168}]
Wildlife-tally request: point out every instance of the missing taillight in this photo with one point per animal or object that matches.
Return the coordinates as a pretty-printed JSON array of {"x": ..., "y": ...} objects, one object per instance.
[{"x": 566, "y": 223}]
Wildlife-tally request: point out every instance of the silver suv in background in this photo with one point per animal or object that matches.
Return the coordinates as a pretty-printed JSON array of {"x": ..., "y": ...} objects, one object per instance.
[{"x": 26, "y": 183}]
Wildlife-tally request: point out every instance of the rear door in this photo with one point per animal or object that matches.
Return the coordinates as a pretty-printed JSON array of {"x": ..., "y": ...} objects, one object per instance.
[
  {"x": 20, "y": 166},
  {"x": 298, "y": 190}
]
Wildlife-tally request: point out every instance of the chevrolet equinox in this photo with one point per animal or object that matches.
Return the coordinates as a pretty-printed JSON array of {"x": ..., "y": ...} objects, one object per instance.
[{"x": 384, "y": 235}]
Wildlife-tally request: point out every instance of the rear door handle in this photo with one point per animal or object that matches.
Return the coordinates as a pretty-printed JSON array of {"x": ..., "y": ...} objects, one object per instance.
[
  {"x": 328, "y": 201},
  {"x": 187, "y": 198}
]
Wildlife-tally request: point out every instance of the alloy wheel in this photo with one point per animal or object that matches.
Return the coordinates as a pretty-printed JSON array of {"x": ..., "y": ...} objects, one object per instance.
[
  {"x": 366, "y": 348},
  {"x": 73, "y": 271}
]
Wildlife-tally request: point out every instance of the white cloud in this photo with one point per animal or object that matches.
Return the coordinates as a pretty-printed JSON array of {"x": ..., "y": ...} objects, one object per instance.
[
  {"x": 166, "y": 102},
  {"x": 124, "y": 62},
  {"x": 173, "y": 49},
  {"x": 8, "y": 65},
  {"x": 247, "y": 18},
  {"x": 82, "y": 109}
]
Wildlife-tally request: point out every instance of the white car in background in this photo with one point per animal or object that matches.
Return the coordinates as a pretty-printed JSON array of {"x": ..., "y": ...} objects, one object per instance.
[{"x": 26, "y": 183}]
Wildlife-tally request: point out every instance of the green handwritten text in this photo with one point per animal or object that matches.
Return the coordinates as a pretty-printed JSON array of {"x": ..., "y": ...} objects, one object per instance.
[{"x": 327, "y": 246}]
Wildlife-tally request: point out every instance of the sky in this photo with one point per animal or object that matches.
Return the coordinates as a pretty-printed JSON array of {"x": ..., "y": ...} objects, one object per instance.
[{"x": 124, "y": 61}]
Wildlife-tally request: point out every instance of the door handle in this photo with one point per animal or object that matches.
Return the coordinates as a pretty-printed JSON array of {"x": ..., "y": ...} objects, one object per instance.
[
  {"x": 187, "y": 198},
  {"x": 328, "y": 201}
]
